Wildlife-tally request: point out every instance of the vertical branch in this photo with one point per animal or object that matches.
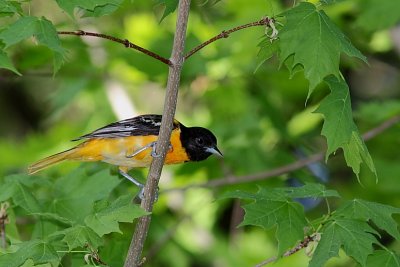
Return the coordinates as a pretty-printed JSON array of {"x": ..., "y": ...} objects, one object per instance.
[{"x": 136, "y": 247}]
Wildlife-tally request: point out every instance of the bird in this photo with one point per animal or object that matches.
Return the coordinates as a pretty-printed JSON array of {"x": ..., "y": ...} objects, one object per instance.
[{"x": 130, "y": 143}]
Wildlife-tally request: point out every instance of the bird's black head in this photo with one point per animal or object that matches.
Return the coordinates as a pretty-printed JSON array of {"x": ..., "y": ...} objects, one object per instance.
[{"x": 199, "y": 143}]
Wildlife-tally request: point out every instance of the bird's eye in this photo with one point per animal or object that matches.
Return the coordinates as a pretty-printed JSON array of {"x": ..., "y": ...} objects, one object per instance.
[{"x": 199, "y": 141}]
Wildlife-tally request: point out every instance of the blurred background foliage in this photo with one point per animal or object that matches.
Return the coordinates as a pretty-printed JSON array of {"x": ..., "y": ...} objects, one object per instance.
[{"x": 260, "y": 118}]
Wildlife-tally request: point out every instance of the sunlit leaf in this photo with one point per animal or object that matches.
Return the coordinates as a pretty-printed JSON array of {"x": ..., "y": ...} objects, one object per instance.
[
  {"x": 105, "y": 219},
  {"x": 315, "y": 43}
]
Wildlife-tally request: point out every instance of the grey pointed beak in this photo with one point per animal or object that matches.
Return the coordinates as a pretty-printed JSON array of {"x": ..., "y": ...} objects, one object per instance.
[{"x": 215, "y": 151}]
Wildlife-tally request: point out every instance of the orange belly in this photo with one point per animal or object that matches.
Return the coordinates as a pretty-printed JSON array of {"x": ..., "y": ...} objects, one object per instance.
[{"x": 116, "y": 150}]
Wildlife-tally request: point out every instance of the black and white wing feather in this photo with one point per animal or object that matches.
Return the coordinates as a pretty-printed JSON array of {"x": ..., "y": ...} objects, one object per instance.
[{"x": 140, "y": 125}]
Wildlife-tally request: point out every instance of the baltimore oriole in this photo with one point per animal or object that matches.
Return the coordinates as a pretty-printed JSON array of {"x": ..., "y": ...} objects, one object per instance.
[{"x": 130, "y": 143}]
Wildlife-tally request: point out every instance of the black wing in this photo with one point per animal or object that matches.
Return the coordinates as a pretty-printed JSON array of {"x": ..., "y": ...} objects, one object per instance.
[{"x": 140, "y": 125}]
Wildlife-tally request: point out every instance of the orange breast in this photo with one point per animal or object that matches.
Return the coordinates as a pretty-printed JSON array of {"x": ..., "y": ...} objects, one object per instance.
[
  {"x": 116, "y": 150},
  {"x": 177, "y": 154}
]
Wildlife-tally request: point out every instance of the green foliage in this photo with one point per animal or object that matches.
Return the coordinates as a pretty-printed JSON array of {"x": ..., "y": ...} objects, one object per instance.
[
  {"x": 346, "y": 228},
  {"x": 275, "y": 208},
  {"x": 38, "y": 251},
  {"x": 79, "y": 211},
  {"x": 10, "y": 8},
  {"x": 92, "y": 8},
  {"x": 311, "y": 39},
  {"x": 383, "y": 258},
  {"x": 19, "y": 30},
  {"x": 169, "y": 7},
  {"x": 80, "y": 236},
  {"x": 356, "y": 238},
  {"x": 339, "y": 127},
  {"x": 26, "y": 27},
  {"x": 106, "y": 216},
  {"x": 6, "y": 63},
  {"x": 378, "y": 14},
  {"x": 58, "y": 217},
  {"x": 379, "y": 214}
]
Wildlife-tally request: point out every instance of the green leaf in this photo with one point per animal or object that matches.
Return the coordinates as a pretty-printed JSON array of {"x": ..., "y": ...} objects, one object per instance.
[
  {"x": 330, "y": 2},
  {"x": 37, "y": 250},
  {"x": 170, "y": 7},
  {"x": 91, "y": 7},
  {"x": 47, "y": 35},
  {"x": 383, "y": 258},
  {"x": 287, "y": 216},
  {"x": 42, "y": 29},
  {"x": 53, "y": 216},
  {"x": 283, "y": 193},
  {"x": 309, "y": 190},
  {"x": 339, "y": 128},
  {"x": 271, "y": 209},
  {"x": 379, "y": 214},
  {"x": 6, "y": 63},
  {"x": 315, "y": 43},
  {"x": 267, "y": 50},
  {"x": 10, "y": 8},
  {"x": 105, "y": 220},
  {"x": 378, "y": 14},
  {"x": 78, "y": 184},
  {"x": 356, "y": 152},
  {"x": 6, "y": 191},
  {"x": 22, "y": 29},
  {"x": 23, "y": 197},
  {"x": 31, "y": 263},
  {"x": 356, "y": 238},
  {"x": 80, "y": 236},
  {"x": 77, "y": 192}
]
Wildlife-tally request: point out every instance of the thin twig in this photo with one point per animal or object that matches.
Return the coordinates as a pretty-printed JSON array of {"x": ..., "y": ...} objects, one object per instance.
[
  {"x": 303, "y": 244},
  {"x": 229, "y": 180},
  {"x": 380, "y": 128},
  {"x": 125, "y": 42},
  {"x": 225, "y": 34},
  {"x": 134, "y": 257}
]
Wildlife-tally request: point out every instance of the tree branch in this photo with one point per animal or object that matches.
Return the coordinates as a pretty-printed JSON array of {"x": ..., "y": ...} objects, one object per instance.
[
  {"x": 229, "y": 180},
  {"x": 134, "y": 257},
  {"x": 125, "y": 42},
  {"x": 225, "y": 34},
  {"x": 303, "y": 244}
]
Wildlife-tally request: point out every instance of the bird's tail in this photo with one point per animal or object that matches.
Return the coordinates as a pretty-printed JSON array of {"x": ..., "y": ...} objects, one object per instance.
[{"x": 51, "y": 160}]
